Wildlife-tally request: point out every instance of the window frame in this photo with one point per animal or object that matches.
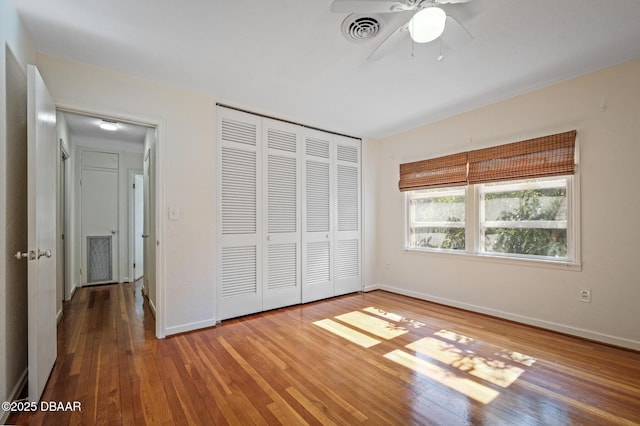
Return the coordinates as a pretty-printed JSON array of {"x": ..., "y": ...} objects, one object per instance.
[
  {"x": 447, "y": 191},
  {"x": 472, "y": 250}
]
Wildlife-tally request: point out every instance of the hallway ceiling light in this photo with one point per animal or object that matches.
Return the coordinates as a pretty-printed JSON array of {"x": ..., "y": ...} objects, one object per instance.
[{"x": 111, "y": 126}]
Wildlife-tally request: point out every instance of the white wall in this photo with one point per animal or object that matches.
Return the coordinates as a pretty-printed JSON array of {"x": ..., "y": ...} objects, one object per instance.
[
  {"x": 609, "y": 150},
  {"x": 186, "y": 148},
  {"x": 13, "y": 276}
]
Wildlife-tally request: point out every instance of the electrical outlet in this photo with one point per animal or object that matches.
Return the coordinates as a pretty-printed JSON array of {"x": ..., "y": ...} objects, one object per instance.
[{"x": 584, "y": 295}]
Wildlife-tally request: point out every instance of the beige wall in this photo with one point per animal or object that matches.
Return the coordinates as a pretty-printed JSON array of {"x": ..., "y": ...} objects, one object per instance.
[
  {"x": 604, "y": 107},
  {"x": 15, "y": 53},
  {"x": 370, "y": 152}
]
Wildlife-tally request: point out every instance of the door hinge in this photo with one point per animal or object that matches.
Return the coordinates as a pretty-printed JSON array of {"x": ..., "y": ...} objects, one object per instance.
[
  {"x": 134, "y": 265},
  {"x": 80, "y": 271},
  {"x": 134, "y": 186}
]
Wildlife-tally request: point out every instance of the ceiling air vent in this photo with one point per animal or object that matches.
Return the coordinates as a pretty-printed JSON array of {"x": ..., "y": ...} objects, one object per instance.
[{"x": 360, "y": 28}]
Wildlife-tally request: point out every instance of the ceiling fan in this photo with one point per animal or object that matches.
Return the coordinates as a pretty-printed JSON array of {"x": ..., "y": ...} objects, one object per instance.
[{"x": 427, "y": 23}]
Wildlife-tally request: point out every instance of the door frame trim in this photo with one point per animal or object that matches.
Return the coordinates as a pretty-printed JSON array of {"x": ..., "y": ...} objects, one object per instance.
[{"x": 160, "y": 192}]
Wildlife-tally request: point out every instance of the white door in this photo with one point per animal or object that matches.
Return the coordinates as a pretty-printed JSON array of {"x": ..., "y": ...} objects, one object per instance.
[
  {"x": 348, "y": 275},
  {"x": 138, "y": 226},
  {"x": 41, "y": 193},
  {"x": 317, "y": 217},
  {"x": 239, "y": 201},
  {"x": 281, "y": 214},
  {"x": 99, "y": 225}
]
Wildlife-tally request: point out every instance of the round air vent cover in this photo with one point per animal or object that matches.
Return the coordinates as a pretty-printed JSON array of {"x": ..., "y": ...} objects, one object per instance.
[{"x": 360, "y": 27}]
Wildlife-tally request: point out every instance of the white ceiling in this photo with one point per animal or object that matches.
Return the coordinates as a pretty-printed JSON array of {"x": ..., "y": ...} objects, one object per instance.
[
  {"x": 85, "y": 126},
  {"x": 289, "y": 59}
]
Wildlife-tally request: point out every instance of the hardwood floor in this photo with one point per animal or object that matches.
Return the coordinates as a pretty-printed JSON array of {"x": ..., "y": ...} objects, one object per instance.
[{"x": 374, "y": 358}]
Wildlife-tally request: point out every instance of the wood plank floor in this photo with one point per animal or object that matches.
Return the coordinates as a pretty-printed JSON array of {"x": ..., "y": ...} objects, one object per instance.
[{"x": 374, "y": 358}]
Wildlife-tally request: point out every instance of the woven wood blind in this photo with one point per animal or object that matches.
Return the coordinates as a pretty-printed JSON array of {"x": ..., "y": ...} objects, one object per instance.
[
  {"x": 551, "y": 155},
  {"x": 546, "y": 156},
  {"x": 450, "y": 170}
]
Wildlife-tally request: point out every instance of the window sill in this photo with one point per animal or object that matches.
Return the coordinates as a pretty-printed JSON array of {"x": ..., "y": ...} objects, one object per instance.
[{"x": 508, "y": 260}]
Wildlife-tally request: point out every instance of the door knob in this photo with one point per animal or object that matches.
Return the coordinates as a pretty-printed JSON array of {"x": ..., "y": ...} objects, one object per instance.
[
  {"x": 24, "y": 255},
  {"x": 113, "y": 232},
  {"x": 45, "y": 253},
  {"x": 144, "y": 236}
]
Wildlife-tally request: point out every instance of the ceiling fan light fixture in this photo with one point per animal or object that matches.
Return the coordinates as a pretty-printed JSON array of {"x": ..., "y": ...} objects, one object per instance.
[
  {"x": 111, "y": 126},
  {"x": 427, "y": 24}
]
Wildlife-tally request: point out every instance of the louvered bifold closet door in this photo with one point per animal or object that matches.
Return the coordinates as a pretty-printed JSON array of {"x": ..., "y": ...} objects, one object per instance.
[
  {"x": 348, "y": 234},
  {"x": 281, "y": 189},
  {"x": 239, "y": 232},
  {"x": 317, "y": 216}
]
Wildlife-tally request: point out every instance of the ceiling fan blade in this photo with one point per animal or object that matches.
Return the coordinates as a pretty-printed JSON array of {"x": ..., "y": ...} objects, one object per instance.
[
  {"x": 455, "y": 34},
  {"x": 368, "y": 6},
  {"x": 452, "y": 1},
  {"x": 389, "y": 43}
]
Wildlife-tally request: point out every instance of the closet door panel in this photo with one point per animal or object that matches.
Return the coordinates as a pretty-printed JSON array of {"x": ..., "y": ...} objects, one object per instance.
[
  {"x": 317, "y": 217},
  {"x": 239, "y": 254},
  {"x": 348, "y": 269},
  {"x": 281, "y": 256}
]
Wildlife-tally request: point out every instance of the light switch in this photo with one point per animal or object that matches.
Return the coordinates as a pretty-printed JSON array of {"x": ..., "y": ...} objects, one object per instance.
[{"x": 174, "y": 213}]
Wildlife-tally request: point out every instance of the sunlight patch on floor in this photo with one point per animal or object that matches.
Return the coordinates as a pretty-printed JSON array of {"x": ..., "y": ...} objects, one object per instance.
[
  {"x": 467, "y": 387},
  {"x": 454, "y": 337},
  {"x": 347, "y": 333},
  {"x": 372, "y": 325},
  {"x": 491, "y": 370},
  {"x": 517, "y": 357},
  {"x": 394, "y": 317}
]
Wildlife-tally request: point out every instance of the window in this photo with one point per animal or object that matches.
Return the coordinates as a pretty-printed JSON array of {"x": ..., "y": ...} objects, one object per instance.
[
  {"x": 514, "y": 200},
  {"x": 437, "y": 218},
  {"x": 521, "y": 218},
  {"x": 526, "y": 218}
]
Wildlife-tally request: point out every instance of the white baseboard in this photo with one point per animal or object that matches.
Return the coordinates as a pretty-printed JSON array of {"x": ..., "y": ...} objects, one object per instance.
[
  {"x": 549, "y": 325},
  {"x": 73, "y": 291},
  {"x": 15, "y": 393},
  {"x": 151, "y": 306},
  {"x": 59, "y": 316},
  {"x": 190, "y": 327},
  {"x": 371, "y": 287}
]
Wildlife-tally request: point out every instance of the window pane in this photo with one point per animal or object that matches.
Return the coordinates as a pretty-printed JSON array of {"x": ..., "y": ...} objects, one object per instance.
[
  {"x": 439, "y": 237},
  {"x": 437, "y": 218},
  {"x": 525, "y": 217},
  {"x": 439, "y": 208}
]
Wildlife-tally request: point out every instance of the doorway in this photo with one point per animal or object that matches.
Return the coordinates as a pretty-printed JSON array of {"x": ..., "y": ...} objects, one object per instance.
[{"x": 104, "y": 198}]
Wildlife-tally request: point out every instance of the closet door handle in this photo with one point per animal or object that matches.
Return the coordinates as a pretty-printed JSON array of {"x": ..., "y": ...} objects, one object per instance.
[{"x": 45, "y": 253}]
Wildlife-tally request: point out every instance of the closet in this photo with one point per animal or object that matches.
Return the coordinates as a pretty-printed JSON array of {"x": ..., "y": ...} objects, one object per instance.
[{"x": 288, "y": 223}]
